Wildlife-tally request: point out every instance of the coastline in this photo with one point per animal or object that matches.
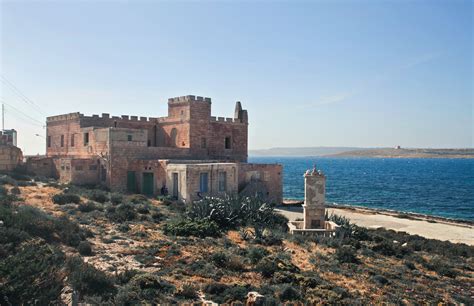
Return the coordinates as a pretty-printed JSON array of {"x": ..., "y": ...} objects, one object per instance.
[
  {"x": 431, "y": 227},
  {"x": 390, "y": 212}
]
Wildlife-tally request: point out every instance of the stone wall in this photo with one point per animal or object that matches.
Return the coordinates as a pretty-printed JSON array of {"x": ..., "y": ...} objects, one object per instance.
[
  {"x": 189, "y": 179},
  {"x": 266, "y": 178},
  {"x": 41, "y": 166},
  {"x": 10, "y": 157}
]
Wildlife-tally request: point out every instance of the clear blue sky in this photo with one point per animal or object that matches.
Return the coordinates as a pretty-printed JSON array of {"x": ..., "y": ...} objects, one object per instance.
[{"x": 321, "y": 73}]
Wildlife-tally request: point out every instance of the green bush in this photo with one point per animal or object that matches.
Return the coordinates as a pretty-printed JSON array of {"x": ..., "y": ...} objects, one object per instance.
[
  {"x": 99, "y": 196},
  {"x": 143, "y": 288},
  {"x": 87, "y": 207},
  {"x": 116, "y": 198},
  {"x": 88, "y": 280},
  {"x": 121, "y": 213},
  {"x": 188, "y": 292},
  {"x": 31, "y": 275},
  {"x": 255, "y": 254},
  {"x": 346, "y": 254},
  {"x": 289, "y": 293},
  {"x": 66, "y": 198},
  {"x": 137, "y": 198},
  {"x": 15, "y": 190},
  {"x": 197, "y": 228},
  {"x": 84, "y": 248}
]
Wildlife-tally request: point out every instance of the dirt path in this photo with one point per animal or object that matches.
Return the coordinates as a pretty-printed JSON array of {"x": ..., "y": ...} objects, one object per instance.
[{"x": 442, "y": 230}]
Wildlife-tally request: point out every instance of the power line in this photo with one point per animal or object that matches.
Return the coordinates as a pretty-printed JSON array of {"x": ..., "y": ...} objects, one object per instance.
[
  {"x": 32, "y": 120},
  {"x": 21, "y": 95}
]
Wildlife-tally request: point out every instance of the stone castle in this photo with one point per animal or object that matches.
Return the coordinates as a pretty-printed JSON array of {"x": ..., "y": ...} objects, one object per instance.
[{"x": 189, "y": 151}]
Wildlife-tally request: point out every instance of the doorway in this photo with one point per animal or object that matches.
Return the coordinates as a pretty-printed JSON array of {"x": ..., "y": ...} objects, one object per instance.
[
  {"x": 131, "y": 182},
  {"x": 147, "y": 186},
  {"x": 175, "y": 185}
]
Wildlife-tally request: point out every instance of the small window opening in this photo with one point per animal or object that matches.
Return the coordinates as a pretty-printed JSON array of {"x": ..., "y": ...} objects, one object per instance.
[
  {"x": 86, "y": 138},
  {"x": 129, "y": 137},
  {"x": 62, "y": 141},
  {"x": 228, "y": 143},
  {"x": 72, "y": 140},
  {"x": 203, "y": 143},
  {"x": 49, "y": 141}
]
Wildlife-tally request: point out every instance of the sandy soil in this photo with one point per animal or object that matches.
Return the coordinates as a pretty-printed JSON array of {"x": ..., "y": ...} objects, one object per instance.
[{"x": 425, "y": 227}]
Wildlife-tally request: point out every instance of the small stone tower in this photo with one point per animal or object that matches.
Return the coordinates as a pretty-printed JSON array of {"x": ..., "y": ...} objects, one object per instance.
[{"x": 314, "y": 199}]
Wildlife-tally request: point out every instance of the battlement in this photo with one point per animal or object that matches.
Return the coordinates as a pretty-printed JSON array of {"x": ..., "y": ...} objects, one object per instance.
[
  {"x": 224, "y": 120},
  {"x": 70, "y": 116},
  {"x": 189, "y": 98}
]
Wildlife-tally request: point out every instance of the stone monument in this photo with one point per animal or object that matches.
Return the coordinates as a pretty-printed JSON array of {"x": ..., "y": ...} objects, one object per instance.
[{"x": 314, "y": 209}]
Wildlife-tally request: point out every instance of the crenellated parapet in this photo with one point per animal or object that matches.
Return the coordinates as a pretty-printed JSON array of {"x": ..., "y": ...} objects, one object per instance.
[
  {"x": 70, "y": 116},
  {"x": 189, "y": 98}
]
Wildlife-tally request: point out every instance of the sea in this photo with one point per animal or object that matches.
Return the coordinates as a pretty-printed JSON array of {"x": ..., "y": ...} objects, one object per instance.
[{"x": 432, "y": 186}]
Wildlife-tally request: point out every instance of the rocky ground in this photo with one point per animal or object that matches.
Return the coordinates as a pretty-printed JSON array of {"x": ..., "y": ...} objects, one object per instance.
[{"x": 130, "y": 254}]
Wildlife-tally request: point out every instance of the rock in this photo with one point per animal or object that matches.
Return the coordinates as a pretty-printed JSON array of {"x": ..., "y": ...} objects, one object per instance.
[{"x": 254, "y": 298}]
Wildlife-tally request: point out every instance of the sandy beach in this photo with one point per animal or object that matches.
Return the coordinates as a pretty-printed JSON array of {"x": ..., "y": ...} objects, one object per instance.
[{"x": 425, "y": 226}]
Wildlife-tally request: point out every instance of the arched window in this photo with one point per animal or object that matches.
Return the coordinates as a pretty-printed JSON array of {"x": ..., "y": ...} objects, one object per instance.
[{"x": 173, "y": 137}]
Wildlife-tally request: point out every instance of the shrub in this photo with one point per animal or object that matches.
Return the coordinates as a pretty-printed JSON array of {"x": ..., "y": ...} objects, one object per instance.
[
  {"x": 66, "y": 198},
  {"x": 255, "y": 254},
  {"x": 272, "y": 264},
  {"x": 98, "y": 196},
  {"x": 188, "y": 292},
  {"x": 145, "y": 288},
  {"x": 380, "y": 280},
  {"x": 123, "y": 212},
  {"x": 87, "y": 207},
  {"x": 143, "y": 209},
  {"x": 137, "y": 198},
  {"x": 32, "y": 275},
  {"x": 220, "y": 259},
  {"x": 116, "y": 198},
  {"x": 289, "y": 293},
  {"x": 88, "y": 280},
  {"x": 346, "y": 254},
  {"x": 15, "y": 190},
  {"x": 186, "y": 227},
  {"x": 84, "y": 248}
]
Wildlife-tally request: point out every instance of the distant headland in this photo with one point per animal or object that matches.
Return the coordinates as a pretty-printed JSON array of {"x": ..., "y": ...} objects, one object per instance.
[{"x": 396, "y": 152}]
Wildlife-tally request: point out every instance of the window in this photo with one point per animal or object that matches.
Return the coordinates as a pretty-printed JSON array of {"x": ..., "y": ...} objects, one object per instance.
[
  {"x": 86, "y": 139},
  {"x": 72, "y": 140},
  {"x": 93, "y": 167},
  {"x": 129, "y": 137},
  {"x": 203, "y": 143},
  {"x": 223, "y": 181},
  {"x": 174, "y": 137},
  {"x": 228, "y": 143},
  {"x": 49, "y": 141},
  {"x": 79, "y": 168},
  {"x": 62, "y": 141},
  {"x": 203, "y": 182},
  {"x": 149, "y": 143}
]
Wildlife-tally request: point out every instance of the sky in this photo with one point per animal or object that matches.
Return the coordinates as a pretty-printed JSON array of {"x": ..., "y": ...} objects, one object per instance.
[{"x": 310, "y": 73}]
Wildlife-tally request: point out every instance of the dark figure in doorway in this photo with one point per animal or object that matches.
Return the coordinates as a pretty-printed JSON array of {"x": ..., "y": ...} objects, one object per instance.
[{"x": 164, "y": 190}]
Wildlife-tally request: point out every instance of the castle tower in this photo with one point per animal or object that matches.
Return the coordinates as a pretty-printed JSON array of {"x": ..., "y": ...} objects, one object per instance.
[{"x": 314, "y": 199}]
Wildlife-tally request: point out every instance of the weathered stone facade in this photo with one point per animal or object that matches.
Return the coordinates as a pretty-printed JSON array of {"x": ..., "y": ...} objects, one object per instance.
[
  {"x": 10, "y": 157},
  {"x": 127, "y": 153}
]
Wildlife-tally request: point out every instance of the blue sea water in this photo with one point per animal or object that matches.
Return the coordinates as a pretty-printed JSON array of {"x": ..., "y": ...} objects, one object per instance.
[{"x": 439, "y": 187}]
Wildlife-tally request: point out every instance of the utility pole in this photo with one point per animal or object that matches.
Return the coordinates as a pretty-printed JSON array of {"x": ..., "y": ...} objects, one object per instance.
[{"x": 3, "y": 117}]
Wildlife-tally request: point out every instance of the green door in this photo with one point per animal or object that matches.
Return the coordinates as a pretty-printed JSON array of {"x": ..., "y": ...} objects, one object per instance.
[
  {"x": 131, "y": 182},
  {"x": 147, "y": 184}
]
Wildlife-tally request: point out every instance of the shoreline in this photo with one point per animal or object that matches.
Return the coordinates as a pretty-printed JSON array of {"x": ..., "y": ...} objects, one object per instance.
[
  {"x": 431, "y": 227},
  {"x": 383, "y": 211}
]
